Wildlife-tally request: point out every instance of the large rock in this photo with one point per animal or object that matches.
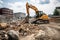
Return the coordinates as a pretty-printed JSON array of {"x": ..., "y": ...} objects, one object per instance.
[
  {"x": 13, "y": 35},
  {"x": 3, "y": 25}
]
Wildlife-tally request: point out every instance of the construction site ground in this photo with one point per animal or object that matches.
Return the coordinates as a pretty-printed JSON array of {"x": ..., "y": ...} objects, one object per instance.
[
  {"x": 52, "y": 29},
  {"x": 29, "y": 31}
]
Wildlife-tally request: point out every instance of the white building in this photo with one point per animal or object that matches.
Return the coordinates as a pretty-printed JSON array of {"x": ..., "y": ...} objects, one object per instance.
[{"x": 19, "y": 16}]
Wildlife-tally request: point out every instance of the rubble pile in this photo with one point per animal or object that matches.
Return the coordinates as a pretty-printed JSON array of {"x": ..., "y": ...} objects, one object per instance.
[
  {"x": 15, "y": 30},
  {"x": 29, "y": 28},
  {"x": 3, "y": 25}
]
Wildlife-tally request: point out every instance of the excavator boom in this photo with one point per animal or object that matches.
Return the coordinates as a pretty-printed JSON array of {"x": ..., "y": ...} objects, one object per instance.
[{"x": 32, "y": 7}]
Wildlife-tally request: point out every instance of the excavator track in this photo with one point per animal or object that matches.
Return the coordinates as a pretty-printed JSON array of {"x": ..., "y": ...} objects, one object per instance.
[{"x": 40, "y": 21}]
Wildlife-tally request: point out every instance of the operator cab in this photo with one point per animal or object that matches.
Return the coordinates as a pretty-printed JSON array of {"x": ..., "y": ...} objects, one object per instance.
[{"x": 39, "y": 14}]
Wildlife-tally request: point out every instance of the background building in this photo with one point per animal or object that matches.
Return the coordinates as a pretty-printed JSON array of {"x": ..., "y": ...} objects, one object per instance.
[
  {"x": 6, "y": 13},
  {"x": 58, "y": 9},
  {"x": 19, "y": 16},
  {"x": 56, "y": 15}
]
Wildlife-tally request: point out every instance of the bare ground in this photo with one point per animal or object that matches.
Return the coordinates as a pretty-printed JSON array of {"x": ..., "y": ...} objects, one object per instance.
[{"x": 52, "y": 31}]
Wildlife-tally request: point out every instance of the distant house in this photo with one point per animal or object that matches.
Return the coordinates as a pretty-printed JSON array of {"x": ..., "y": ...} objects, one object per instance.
[
  {"x": 56, "y": 18},
  {"x": 19, "y": 16},
  {"x": 58, "y": 9},
  {"x": 6, "y": 13}
]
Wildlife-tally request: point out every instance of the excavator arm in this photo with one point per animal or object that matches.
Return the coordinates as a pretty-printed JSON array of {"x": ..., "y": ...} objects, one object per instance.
[
  {"x": 27, "y": 10},
  {"x": 32, "y": 7}
]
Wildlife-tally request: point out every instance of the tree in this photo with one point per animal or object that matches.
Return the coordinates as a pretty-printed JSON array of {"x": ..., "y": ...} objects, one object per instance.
[{"x": 56, "y": 13}]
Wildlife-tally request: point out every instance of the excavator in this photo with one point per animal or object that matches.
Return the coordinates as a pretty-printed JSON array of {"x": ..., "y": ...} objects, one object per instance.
[{"x": 41, "y": 17}]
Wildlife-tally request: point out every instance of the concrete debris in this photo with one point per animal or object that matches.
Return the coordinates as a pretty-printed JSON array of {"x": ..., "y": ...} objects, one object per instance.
[
  {"x": 3, "y": 25},
  {"x": 17, "y": 31},
  {"x": 29, "y": 37},
  {"x": 40, "y": 33},
  {"x": 3, "y": 35},
  {"x": 23, "y": 32},
  {"x": 13, "y": 35}
]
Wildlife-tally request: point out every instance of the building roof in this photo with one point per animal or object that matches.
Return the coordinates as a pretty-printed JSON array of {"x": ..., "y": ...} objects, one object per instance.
[
  {"x": 57, "y": 7},
  {"x": 4, "y": 8},
  {"x": 19, "y": 13}
]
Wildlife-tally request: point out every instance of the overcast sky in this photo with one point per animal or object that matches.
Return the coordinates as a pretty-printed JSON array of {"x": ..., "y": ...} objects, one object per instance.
[{"x": 46, "y": 6}]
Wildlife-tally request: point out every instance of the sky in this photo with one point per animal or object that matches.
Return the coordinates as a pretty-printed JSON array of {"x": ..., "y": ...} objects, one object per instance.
[{"x": 47, "y": 6}]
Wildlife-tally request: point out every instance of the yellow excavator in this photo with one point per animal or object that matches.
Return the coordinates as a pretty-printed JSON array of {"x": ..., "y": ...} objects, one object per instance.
[{"x": 40, "y": 16}]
